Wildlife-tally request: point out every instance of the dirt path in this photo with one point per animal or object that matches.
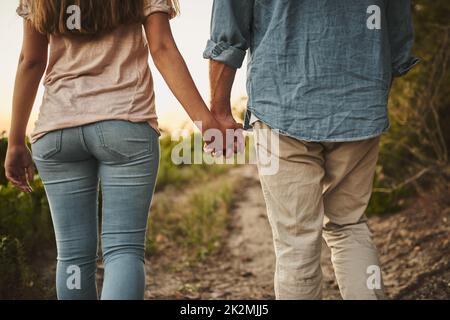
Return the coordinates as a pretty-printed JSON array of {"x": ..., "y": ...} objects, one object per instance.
[
  {"x": 244, "y": 269},
  {"x": 414, "y": 248}
]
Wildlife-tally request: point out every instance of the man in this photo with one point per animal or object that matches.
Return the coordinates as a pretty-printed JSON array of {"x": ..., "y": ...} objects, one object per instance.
[{"x": 319, "y": 75}]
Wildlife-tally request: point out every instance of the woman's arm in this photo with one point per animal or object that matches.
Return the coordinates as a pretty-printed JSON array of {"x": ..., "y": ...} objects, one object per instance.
[
  {"x": 32, "y": 65},
  {"x": 172, "y": 67}
]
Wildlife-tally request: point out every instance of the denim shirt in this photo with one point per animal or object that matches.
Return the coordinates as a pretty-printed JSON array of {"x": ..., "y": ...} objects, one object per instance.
[{"x": 318, "y": 70}]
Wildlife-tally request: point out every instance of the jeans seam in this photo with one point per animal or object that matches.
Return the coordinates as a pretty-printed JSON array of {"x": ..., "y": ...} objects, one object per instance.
[
  {"x": 100, "y": 134},
  {"x": 82, "y": 140}
]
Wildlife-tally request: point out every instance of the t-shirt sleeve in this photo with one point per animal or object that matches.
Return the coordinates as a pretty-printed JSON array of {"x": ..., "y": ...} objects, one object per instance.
[
  {"x": 24, "y": 9},
  {"x": 153, "y": 6}
]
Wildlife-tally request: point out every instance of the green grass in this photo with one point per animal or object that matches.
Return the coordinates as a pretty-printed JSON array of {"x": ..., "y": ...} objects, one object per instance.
[
  {"x": 192, "y": 224},
  {"x": 25, "y": 232},
  {"x": 172, "y": 175},
  {"x": 17, "y": 280}
]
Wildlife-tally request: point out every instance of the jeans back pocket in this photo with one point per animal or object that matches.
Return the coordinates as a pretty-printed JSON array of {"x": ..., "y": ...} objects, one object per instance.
[
  {"x": 126, "y": 139},
  {"x": 47, "y": 146}
]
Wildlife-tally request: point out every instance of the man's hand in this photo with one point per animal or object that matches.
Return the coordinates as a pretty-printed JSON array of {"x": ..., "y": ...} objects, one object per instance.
[
  {"x": 225, "y": 118},
  {"x": 19, "y": 168}
]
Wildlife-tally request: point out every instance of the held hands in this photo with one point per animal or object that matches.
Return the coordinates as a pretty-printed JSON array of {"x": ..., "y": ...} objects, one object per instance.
[
  {"x": 19, "y": 168},
  {"x": 223, "y": 136}
]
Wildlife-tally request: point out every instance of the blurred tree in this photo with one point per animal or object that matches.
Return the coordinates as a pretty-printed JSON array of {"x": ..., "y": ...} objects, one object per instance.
[
  {"x": 420, "y": 102},
  {"x": 415, "y": 155}
]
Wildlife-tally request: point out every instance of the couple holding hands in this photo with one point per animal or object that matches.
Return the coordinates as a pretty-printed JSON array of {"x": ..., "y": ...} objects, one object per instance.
[{"x": 319, "y": 77}]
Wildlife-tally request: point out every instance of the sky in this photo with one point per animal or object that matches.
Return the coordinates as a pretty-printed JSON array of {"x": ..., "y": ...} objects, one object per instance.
[{"x": 191, "y": 31}]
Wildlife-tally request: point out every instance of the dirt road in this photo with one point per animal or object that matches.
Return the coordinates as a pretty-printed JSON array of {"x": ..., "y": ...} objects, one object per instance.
[
  {"x": 244, "y": 268},
  {"x": 414, "y": 249}
]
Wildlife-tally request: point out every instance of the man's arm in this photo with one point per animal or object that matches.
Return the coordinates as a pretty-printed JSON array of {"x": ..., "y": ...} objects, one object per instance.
[
  {"x": 230, "y": 39},
  {"x": 221, "y": 77},
  {"x": 401, "y": 36}
]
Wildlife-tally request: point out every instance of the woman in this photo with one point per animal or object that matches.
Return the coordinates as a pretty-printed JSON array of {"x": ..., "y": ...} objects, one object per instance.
[{"x": 97, "y": 123}]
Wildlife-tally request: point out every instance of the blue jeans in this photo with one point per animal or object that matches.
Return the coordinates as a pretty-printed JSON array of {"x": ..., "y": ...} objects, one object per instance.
[{"x": 123, "y": 158}]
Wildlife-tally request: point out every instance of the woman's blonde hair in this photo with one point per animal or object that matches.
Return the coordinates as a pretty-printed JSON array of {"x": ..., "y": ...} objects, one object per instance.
[
  {"x": 97, "y": 16},
  {"x": 175, "y": 5}
]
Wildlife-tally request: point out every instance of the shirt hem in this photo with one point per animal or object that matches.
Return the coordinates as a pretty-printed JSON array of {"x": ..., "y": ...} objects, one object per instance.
[
  {"x": 314, "y": 139},
  {"x": 39, "y": 133}
]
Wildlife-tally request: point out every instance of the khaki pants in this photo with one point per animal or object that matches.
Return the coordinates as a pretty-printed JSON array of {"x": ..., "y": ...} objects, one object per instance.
[{"x": 320, "y": 189}]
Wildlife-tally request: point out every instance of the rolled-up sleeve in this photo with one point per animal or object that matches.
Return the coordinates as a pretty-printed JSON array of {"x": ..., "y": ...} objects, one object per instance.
[
  {"x": 153, "y": 6},
  {"x": 401, "y": 36},
  {"x": 230, "y": 31}
]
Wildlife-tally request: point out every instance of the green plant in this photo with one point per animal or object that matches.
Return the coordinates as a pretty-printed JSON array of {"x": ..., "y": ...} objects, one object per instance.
[
  {"x": 415, "y": 154},
  {"x": 17, "y": 281},
  {"x": 195, "y": 224},
  {"x": 177, "y": 176},
  {"x": 204, "y": 224},
  {"x": 26, "y": 217}
]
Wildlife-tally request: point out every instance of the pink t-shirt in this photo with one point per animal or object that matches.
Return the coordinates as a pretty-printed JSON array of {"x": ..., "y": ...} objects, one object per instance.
[{"x": 91, "y": 79}]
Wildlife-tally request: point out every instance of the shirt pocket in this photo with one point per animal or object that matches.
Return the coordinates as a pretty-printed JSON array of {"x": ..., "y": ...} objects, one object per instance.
[
  {"x": 48, "y": 146},
  {"x": 126, "y": 140}
]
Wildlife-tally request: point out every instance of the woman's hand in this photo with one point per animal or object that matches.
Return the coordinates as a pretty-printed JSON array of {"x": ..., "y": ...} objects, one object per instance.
[{"x": 19, "y": 168}]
